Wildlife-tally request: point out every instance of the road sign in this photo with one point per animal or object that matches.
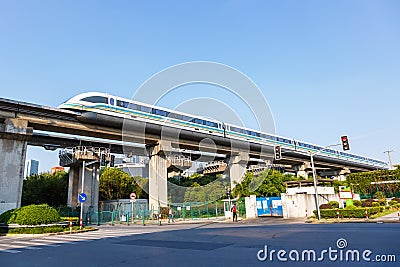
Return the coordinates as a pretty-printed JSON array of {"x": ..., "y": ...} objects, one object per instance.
[
  {"x": 82, "y": 197},
  {"x": 132, "y": 196}
]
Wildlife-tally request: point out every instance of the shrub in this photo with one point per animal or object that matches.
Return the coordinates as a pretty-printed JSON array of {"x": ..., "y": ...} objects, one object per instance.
[
  {"x": 367, "y": 203},
  {"x": 334, "y": 204},
  {"x": 396, "y": 199},
  {"x": 351, "y": 207},
  {"x": 375, "y": 204},
  {"x": 349, "y": 213},
  {"x": 8, "y": 216},
  {"x": 379, "y": 195},
  {"x": 382, "y": 203},
  {"x": 325, "y": 206},
  {"x": 31, "y": 215},
  {"x": 392, "y": 202},
  {"x": 357, "y": 203}
]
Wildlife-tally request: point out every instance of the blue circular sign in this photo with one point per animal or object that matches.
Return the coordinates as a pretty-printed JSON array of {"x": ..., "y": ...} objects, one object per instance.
[{"x": 82, "y": 197}]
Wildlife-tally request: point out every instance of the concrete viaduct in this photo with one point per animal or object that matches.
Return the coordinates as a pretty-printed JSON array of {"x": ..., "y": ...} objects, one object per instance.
[{"x": 23, "y": 124}]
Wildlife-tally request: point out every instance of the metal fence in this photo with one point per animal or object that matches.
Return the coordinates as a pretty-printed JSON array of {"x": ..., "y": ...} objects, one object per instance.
[{"x": 125, "y": 212}]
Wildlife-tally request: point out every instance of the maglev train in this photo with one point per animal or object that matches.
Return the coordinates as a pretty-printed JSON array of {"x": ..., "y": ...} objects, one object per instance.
[{"x": 121, "y": 107}]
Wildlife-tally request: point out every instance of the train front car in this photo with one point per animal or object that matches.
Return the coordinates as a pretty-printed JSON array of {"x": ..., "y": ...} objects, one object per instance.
[{"x": 85, "y": 101}]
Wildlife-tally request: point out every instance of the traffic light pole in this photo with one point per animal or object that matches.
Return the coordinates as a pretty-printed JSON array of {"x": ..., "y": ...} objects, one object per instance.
[
  {"x": 315, "y": 186},
  {"x": 315, "y": 177}
]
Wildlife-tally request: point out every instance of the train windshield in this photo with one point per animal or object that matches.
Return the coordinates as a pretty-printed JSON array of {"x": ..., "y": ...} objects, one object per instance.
[{"x": 96, "y": 99}]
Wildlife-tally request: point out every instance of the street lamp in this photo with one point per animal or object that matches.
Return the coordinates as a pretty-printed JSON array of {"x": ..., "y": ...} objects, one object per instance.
[{"x": 390, "y": 159}]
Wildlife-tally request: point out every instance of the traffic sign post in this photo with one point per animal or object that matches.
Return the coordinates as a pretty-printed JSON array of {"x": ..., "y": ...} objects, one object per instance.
[
  {"x": 82, "y": 196},
  {"x": 132, "y": 196}
]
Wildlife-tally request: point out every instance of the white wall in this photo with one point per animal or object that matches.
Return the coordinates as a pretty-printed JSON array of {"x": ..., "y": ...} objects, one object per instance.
[{"x": 301, "y": 202}]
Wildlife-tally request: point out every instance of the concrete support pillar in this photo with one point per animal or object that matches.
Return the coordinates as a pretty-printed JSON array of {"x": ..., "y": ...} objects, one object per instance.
[
  {"x": 14, "y": 134},
  {"x": 90, "y": 187},
  {"x": 343, "y": 174},
  {"x": 237, "y": 168},
  {"x": 158, "y": 175},
  {"x": 301, "y": 170}
]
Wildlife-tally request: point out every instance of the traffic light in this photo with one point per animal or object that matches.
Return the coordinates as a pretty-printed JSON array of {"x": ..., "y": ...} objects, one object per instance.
[
  {"x": 103, "y": 161},
  {"x": 345, "y": 143},
  {"x": 278, "y": 152},
  {"x": 112, "y": 161},
  {"x": 228, "y": 193}
]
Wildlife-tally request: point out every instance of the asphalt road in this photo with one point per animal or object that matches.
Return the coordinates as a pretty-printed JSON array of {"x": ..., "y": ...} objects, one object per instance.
[{"x": 212, "y": 244}]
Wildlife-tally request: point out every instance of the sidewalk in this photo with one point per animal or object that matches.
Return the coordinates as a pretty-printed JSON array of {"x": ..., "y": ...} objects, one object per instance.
[{"x": 390, "y": 217}]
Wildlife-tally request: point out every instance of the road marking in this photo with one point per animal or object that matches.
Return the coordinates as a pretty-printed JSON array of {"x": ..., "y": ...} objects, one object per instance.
[
  {"x": 10, "y": 251},
  {"x": 37, "y": 244}
]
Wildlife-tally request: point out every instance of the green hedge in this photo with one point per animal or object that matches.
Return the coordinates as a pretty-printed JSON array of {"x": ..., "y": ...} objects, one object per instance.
[
  {"x": 348, "y": 213},
  {"x": 31, "y": 215}
]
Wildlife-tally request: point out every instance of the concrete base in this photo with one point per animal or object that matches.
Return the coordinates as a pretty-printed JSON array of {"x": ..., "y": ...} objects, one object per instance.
[
  {"x": 13, "y": 147},
  {"x": 300, "y": 202},
  {"x": 90, "y": 187}
]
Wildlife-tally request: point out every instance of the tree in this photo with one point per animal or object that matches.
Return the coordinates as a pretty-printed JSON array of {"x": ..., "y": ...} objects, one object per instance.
[
  {"x": 46, "y": 188},
  {"x": 117, "y": 184},
  {"x": 267, "y": 183}
]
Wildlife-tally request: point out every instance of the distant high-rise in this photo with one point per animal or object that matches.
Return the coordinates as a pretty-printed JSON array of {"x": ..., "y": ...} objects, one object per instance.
[{"x": 31, "y": 167}]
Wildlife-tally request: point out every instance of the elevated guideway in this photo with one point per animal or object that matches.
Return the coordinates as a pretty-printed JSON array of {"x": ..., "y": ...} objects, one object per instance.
[{"x": 23, "y": 124}]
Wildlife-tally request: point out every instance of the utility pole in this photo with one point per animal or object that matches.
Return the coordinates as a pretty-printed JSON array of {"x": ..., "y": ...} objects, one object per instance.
[{"x": 390, "y": 159}]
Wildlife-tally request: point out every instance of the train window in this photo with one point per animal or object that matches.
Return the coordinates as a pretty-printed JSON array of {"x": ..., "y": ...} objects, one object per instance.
[
  {"x": 96, "y": 99},
  {"x": 211, "y": 124},
  {"x": 175, "y": 116},
  {"x": 160, "y": 112},
  {"x": 121, "y": 103},
  {"x": 187, "y": 118},
  {"x": 133, "y": 106},
  {"x": 254, "y": 134},
  {"x": 112, "y": 101},
  {"x": 145, "y": 109},
  {"x": 198, "y": 121},
  {"x": 236, "y": 129}
]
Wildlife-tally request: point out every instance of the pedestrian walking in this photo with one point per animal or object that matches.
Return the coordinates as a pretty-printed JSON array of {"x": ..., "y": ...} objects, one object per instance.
[
  {"x": 234, "y": 212},
  {"x": 170, "y": 215}
]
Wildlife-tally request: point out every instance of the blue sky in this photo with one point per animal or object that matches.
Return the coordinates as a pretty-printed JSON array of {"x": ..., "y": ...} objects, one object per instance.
[{"x": 327, "y": 68}]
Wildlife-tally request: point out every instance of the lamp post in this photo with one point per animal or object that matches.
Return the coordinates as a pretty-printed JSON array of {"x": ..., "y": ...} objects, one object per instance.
[{"x": 390, "y": 159}]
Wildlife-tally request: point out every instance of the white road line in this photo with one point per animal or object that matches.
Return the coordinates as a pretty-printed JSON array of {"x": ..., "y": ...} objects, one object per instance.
[
  {"x": 31, "y": 248},
  {"x": 10, "y": 251},
  {"x": 37, "y": 244},
  {"x": 63, "y": 239},
  {"x": 13, "y": 245}
]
